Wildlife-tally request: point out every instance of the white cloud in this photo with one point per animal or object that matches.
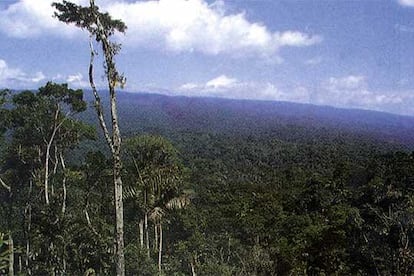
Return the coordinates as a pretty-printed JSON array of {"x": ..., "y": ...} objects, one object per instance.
[
  {"x": 353, "y": 91},
  {"x": 175, "y": 25},
  {"x": 194, "y": 25},
  {"x": 77, "y": 81},
  {"x": 298, "y": 39},
  {"x": 351, "y": 82},
  {"x": 189, "y": 86},
  {"x": 28, "y": 18},
  {"x": 39, "y": 76},
  {"x": 350, "y": 91},
  {"x": 221, "y": 82},
  {"x": 407, "y": 3},
  {"x": 313, "y": 61},
  {"x": 16, "y": 78},
  {"x": 227, "y": 87}
]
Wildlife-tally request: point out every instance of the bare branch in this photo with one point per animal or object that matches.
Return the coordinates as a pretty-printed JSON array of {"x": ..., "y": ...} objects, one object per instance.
[
  {"x": 88, "y": 220},
  {"x": 8, "y": 188},
  {"x": 98, "y": 104},
  {"x": 62, "y": 161}
]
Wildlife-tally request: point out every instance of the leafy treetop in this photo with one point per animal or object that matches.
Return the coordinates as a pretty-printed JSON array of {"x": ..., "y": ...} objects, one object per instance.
[{"x": 85, "y": 18}]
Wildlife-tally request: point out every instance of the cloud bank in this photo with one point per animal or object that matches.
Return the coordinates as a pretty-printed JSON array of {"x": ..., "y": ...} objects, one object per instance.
[
  {"x": 351, "y": 91},
  {"x": 28, "y": 19},
  {"x": 16, "y": 78},
  {"x": 173, "y": 25},
  {"x": 407, "y": 3},
  {"x": 228, "y": 87},
  {"x": 195, "y": 25}
]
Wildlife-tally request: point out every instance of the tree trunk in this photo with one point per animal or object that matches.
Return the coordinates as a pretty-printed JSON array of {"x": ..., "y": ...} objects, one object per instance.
[
  {"x": 62, "y": 160},
  {"x": 155, "y": 245},
  {"x": 47, "y": 157},
  {"x": 46, "y": 183},
  {"x": 141, "y": 233},
  {"x": 160, "y": 250},
  {"x": 27, "y": 261},
  {"x": 117, "y": 168},
  {"x": 193, "y": 273},
  {"x": 147, "y": 234},
  {"x": 11, "y": 255},
  {"x": 28, "y": 213},
  {"x": 113, "y": 142},
  {"x": 112, "y": 76},
  {"x": 20, "y": 265},
  {"x": 120, "y": 259}
]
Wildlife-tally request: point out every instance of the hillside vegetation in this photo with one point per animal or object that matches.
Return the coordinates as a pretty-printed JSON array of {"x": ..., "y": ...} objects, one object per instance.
[{"x": 212, "y": 187}]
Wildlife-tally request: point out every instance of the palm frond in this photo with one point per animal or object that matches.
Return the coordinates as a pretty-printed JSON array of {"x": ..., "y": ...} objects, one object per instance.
[
  {"x": 131, "y": 192},
  {"x": 179, "y": 202},
  {"x": 156, "y": 214}
]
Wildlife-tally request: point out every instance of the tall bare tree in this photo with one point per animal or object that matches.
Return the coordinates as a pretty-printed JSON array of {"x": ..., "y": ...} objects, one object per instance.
[{"x": 101, "y": 27}]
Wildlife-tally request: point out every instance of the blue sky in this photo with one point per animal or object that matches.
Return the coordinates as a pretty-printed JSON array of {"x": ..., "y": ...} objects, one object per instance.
[{"x": 353, "y": 54}]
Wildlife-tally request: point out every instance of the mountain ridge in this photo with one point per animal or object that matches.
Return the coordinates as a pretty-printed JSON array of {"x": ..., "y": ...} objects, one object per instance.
[{"x": 159, "y": 113}]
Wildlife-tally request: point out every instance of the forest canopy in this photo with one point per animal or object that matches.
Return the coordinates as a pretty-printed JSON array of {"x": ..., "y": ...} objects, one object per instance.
[{"x": 199, "y": 201}]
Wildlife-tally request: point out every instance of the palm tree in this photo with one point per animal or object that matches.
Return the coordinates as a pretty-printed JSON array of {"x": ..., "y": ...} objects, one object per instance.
[{"x": 156, "y": 185}]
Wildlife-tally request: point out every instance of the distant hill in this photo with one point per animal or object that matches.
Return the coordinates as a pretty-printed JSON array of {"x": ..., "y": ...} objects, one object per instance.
[{"x": 161, "y": 114}]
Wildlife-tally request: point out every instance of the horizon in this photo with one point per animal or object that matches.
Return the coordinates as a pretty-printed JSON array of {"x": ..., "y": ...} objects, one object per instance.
[{"x": 341, "y": 54}]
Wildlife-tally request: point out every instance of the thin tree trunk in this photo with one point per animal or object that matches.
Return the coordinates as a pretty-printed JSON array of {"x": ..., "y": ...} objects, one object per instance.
[
  {"x": 119, "y": 210},
  {"x": 141, "y": 233},
  {"x": 62, "y": 161},
  {"x": 160, "y": 250},
  {"x": 11, "y": 255},
  {"x": 28, "y": 271},
  {"x": 29, "y": 226},
  {"x": 193, "y": 273},
  {"x": 46, "y": 183},
  {"x": 98, "y": 104},
  {"x": 47, "y": 157},
  {"x": 147, "y": 234},
  {"x": 113, "y": 142},
  {"x": 156, "y": 237}
]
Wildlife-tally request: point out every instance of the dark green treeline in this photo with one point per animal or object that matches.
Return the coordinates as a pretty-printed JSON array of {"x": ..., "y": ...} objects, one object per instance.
[{"x": 197, "y": 202}]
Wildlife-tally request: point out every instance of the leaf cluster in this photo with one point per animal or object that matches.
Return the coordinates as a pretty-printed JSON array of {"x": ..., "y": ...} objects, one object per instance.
[{"x": 85, "y": 18}]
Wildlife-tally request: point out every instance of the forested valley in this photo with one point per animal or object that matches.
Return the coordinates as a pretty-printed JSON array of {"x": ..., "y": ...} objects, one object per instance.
[{"x": 211, "y": 187}]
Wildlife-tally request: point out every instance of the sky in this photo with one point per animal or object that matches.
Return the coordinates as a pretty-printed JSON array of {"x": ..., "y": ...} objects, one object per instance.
[{"x": 342, "y": 53}]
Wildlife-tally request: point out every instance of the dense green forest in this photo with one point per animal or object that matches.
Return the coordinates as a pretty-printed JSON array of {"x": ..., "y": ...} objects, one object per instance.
[{"x": 211, "y": 187}]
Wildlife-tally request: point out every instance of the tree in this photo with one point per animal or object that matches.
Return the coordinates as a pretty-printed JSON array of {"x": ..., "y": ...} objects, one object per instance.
[
  {"x": 156, "y": 185},
  {"x": 385, "y": 232},
  {"x": 101, "y": 27},
  {"x": 41, "y": 130}
]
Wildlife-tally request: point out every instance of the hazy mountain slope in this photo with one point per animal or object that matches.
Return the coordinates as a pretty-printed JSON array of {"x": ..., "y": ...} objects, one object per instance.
[
  {"x": 287, "y": 121},
  {"x": 158, "y": 112}
]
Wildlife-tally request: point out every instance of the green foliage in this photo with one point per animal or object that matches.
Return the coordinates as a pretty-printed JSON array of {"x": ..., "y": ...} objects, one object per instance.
[
  {"x": 84, "y": 17},
  {"x": 138, "y": 262},
  {"x": 4, "y": 113},
  {"x": 229, "y": 203},
  {"x": 147, "y": 151}
]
